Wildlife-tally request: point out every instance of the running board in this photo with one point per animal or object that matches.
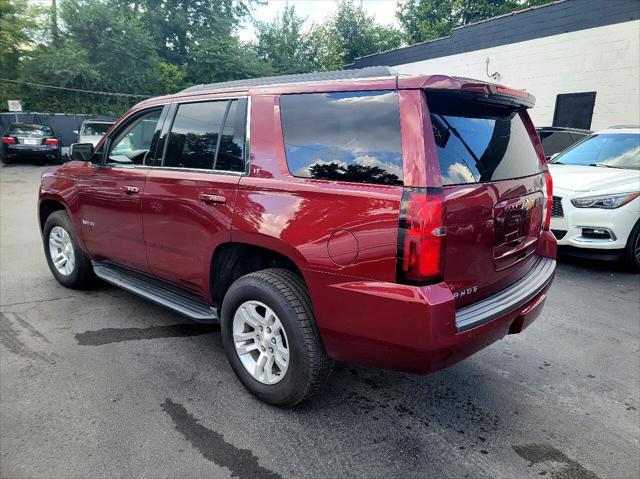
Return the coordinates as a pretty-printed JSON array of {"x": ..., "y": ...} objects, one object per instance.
[{"x": 157, "y": 291}]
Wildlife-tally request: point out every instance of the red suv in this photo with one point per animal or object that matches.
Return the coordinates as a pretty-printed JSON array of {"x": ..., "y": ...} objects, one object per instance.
[{"x": 390, "y": 221}]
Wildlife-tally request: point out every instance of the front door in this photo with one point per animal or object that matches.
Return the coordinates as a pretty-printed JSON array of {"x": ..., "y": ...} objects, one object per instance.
[
  {"x": 188, "y": 201},
  {"x": 110, "y": 198}
]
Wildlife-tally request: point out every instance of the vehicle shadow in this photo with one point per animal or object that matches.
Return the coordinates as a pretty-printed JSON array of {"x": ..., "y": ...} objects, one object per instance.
[{"x": 591, "y": 264}]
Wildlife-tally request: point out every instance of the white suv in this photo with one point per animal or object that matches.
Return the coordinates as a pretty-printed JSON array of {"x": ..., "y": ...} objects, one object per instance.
[{"x": 596, "y": 202}]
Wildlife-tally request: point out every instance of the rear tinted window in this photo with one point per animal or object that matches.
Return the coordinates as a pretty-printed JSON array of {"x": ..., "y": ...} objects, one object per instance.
[
  {"x": 346, "y": 136},
  {"x": 479, "y": 142},
  {"x": 30, "y": 130}
]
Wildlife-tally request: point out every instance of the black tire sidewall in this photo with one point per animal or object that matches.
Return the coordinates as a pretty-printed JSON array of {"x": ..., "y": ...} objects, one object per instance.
[
  {"x": 631, "y": 262},
  {"x": 287, "y": 390},
  {"x": 60, "y": 218}
]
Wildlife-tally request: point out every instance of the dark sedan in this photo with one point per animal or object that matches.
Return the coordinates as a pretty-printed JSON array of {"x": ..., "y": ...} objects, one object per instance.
[
  {"x": 26, "y": 141},
  {"x": 556, "y": 139}
]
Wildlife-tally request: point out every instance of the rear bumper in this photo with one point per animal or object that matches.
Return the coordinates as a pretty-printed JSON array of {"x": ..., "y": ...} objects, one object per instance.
[
  {"x": 418, "y": 329},
  {"x": 28, "y": 151}
]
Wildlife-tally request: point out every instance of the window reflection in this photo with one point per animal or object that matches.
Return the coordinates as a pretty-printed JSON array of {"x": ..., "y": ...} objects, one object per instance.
[{"x": 345, "y": 136}]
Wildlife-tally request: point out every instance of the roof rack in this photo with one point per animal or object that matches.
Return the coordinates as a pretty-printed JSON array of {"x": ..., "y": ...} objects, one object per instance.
[{"x": 368, "y": 72}]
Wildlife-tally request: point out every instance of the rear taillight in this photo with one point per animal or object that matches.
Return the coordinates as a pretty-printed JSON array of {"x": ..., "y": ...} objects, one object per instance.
[
  {"x": 8, "y": 141},
  {"x": 421, "y": 236},
  {"x": 51, "y": 141},
  {"x": 548, "y": 199}
]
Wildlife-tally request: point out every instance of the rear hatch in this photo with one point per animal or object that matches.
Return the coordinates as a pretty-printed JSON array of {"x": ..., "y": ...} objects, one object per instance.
[{"x": 494, "y": 191}]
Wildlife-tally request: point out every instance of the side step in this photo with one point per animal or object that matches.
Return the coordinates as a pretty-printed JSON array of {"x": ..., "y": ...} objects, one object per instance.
[{"x": 157, "y": 291}]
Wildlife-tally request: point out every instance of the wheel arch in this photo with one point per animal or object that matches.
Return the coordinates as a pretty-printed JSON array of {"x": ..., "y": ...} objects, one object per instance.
[
  {"x": 233, "y": 259},
  {"x": 47, "y": 206}
]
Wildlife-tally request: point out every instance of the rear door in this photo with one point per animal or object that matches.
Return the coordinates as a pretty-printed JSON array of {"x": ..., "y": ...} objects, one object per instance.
[
  {"x": 189, "y": 197},
  {"x": 493, "y": 185}
]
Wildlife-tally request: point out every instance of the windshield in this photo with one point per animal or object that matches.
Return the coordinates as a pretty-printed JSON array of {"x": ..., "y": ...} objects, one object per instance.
[
  {"x": 95, "y": 129},
  {"x": 31, "y": 130},
  {"x": 617, "y": 150}
]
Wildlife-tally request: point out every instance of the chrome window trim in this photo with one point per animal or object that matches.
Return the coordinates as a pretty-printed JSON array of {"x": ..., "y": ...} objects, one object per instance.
[{"x": 512, "y": 297}]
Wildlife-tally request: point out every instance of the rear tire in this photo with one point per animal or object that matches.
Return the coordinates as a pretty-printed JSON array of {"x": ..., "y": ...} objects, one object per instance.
[
  {"x": 631, "y": 255},
  {"x": 66, "y": 260},
  {"x": 281, "y": 298}
]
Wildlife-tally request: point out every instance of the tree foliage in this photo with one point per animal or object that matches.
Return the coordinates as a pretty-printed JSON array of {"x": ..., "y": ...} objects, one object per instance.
[
  {"x": 152, "y": 47},
  {"x": 424, "y": 20}
]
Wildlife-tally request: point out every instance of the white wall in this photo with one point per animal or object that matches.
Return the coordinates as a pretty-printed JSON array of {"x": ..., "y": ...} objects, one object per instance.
[{"x": 604, "y": 59}]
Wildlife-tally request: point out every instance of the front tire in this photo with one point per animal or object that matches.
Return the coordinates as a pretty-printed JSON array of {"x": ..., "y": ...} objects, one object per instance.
[
  {"x": 66, "y": 260},
  {"x": 631, "y": 255},
  {"x": 270, "y": 338}
]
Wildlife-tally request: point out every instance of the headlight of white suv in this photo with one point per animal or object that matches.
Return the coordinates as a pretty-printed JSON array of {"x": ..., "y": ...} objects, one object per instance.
[{"x": 608, "y": 202}]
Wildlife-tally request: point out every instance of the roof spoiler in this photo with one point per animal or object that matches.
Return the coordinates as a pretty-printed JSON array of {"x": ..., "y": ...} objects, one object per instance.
[{"x": 490, "y": 92}]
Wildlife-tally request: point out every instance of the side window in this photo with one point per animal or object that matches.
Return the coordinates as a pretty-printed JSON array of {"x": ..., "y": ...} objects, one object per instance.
[
  {"x": 134, "y": 143},
  {"x": 230, "y": 153},
  {"x": 343, "y": 136},
  {"x": 193, "y": 140}
]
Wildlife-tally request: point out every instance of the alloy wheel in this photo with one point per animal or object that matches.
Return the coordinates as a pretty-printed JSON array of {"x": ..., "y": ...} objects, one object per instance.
[
  {"x": 61, "y": 251},
  {"x": 261, "y": 342}
]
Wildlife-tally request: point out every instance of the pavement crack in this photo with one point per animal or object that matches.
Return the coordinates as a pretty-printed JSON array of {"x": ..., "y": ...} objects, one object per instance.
[
  {"x": 211, "y": 444},
  {"x": 540, "y": 453},
  {"x": 10, "y": 338},
  {"x": 116, "y": 335},
  {"x": 37, "y": 301}
]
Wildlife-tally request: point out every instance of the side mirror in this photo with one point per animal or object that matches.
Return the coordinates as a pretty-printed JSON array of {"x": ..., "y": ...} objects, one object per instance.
[{"x": 81, "y": 151}]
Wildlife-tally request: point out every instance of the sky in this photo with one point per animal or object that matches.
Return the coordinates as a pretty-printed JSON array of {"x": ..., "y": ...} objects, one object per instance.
[
  {"x": 317, "y": 10},
  {"x": 314, "y": 10}
]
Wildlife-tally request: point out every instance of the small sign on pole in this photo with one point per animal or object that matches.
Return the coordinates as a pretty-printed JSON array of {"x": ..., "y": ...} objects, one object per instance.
[{"x": 14, "y": 105}]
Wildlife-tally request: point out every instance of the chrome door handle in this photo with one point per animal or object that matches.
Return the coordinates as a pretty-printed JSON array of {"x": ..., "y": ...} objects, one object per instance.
[
  {"x": 210, "y": 199},
  {"x": 131, "y": 190}
]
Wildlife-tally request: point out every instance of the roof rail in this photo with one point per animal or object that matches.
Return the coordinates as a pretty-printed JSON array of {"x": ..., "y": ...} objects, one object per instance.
[
  {"x": 368, "y": 72},
  {"x": 616, "y": 127}
]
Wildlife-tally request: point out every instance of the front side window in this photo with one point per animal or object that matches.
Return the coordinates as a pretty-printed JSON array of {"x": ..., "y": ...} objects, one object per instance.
[
  {"x": 615, "y": 150},
  {"x": 343, "y": 136},
  {"x": 479, "y": 142},
  {"x": 208, "y": 135},
  {"x": 134, "y": 143}
]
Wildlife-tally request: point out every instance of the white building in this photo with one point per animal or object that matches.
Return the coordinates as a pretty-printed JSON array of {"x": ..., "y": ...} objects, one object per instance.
[{"x": 580, "y": 58}]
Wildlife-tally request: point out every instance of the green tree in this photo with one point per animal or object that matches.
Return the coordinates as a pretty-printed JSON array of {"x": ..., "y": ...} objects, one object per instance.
[
  {"x": 323, "y": 47},
  {"x": 18, "y": 24},
  {"x": 424, "y": 20},
  {"x": 358, "y": 33},
  {"x": 283, "y": 42}
]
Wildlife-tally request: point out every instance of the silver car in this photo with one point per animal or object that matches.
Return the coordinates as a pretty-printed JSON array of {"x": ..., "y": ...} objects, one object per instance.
[{"x": 91, "y": 131}]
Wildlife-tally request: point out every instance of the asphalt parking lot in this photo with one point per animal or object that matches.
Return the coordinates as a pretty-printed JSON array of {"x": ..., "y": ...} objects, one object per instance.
[{"x": 104, "y": 384}]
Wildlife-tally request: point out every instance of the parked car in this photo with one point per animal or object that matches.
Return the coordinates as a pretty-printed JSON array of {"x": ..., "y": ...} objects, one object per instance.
[
  {"x": 92, "y": 131},
  {"x": 396, "y": 222},
  {"x": 596, "y": 202},
  {"x": 27, "y": 141},
  {"x": 555, "y": 139}
]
